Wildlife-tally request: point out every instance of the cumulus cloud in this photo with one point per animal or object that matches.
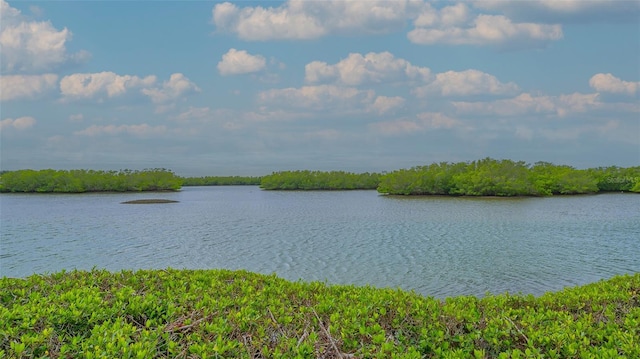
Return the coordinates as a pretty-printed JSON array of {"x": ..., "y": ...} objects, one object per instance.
[
  {"x": 177, "y": 86},
  {"x": 300, "y": 19},
  {"x": 455, "y": 24},
  {"x": 319, "y": 97},
  {"x": 482, "y": 30},
  {"x": 527, "y": 104},
  {"x": 554, "y": 11},
  {"x": 92, "y": 85},
  {"x": 107, "y": 85},
  {"x": 21, "y": 123},
  {"x": 236, "y": 62},
  {"x": 384, "y": 104},
  {"x": 609, "y": 83},
  {"x": 465, "y": 83},
  {"x": 32, "y": 46},
  {"x": 13, "y": 87},
  {"x": 141, "y": 130},
  {"x": 371, "y": 68}
]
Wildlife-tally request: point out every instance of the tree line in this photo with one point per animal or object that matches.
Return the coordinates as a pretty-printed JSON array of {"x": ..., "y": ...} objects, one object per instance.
[
  {"x": 491, "y": 177},
  {"x": 319, "y": 180},
  {"x": 78, "y": 181},
  {"x": 485, "y": 177},
  {"x": 221, "y": 181}
]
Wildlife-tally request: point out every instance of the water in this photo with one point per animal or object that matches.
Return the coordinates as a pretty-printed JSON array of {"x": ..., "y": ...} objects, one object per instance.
[{"x": 437, "y": 246}]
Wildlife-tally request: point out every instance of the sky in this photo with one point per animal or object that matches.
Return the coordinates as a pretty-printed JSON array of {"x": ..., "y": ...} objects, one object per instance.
[{"x": 248, "y": 88}]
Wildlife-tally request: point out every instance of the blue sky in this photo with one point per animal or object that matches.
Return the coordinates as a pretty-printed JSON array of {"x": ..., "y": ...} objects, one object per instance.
[{"x": 247, "y": 88}]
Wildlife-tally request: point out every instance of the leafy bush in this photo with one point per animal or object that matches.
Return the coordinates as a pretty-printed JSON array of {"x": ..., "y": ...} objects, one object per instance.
[{"x": 237, "y": 314}]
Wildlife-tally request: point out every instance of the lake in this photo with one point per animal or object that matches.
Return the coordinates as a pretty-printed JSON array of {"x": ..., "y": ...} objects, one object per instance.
[{"x": 436, "y": 246}]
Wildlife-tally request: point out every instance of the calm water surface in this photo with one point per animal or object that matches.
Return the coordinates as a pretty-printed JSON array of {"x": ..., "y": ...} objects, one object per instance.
[{"x": 437, "y": 246}]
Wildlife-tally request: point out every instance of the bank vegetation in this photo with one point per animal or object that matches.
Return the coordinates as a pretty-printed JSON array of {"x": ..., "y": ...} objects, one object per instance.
[{"x": 238, "y": 314}]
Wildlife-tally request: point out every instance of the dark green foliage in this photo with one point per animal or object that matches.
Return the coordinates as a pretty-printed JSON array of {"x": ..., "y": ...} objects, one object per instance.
[
  {"x": 77, "y": 181},
  {"x": 616, "y": 179},
  {"x": 490, "y": 177},
  {"x": 319, "y": 180},
  {"x": 221, "y": 181},
  {"x": 237, "y": 314}
]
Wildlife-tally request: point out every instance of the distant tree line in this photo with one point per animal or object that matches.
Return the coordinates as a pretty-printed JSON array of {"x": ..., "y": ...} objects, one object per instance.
[
  {"x": 485, "y": 177},
  {"x": 319, "y": 180},
  {"x": 221, "y": 181},
  {"x": 490, "y": 177},
  {"x": 78, "y": 181}
]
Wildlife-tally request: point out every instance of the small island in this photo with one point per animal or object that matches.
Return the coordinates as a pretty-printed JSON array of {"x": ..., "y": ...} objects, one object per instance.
[
  {"x": 149, "y": 201},
  {"x": 81, "y": 181},
  {"x": 485, "y": 177}
]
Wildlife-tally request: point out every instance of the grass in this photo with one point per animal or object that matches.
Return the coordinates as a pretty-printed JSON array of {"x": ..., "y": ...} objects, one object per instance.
[{"x": 238, "y": 314}]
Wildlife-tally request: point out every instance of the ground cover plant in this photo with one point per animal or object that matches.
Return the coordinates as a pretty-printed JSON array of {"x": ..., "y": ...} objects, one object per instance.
[{"x": 238, "y": 314}]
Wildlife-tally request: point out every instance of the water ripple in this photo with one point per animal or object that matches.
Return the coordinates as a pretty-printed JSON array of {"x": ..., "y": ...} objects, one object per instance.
[{"x": 437, "y": 246}]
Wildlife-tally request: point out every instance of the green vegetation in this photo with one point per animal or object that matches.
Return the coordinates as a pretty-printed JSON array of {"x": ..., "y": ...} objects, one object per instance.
[
  {"x": 490, "y": 177},
  {"x": 77, "y": 181},
  {"x": 237, "y": 314},
  {"x": 486, "y": 177},
  {"x": 319, "y": 180},
  {"x": 221, "y": 181}
]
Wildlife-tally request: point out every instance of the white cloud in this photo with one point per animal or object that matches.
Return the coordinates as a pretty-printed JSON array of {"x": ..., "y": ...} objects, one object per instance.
[
  {"x": 451, "y": 26},
  {"x": 236, "y": 62},
  {"x": 141, "y": 130},
  {"x": 455, "y": 24},
  {"x": 371, "y": 68},
  {"x": 177, "y": 86},
  {"x": 13, "y": 87},
  {"x": 448, "y": 16},
  {"x": 320, "y": 97},
  {"x": 300, "y": 19},
  {"x": 109, "y": 85},
  {"x": 32, "y": 46},
  {"x": 609, "y": 83},
  {"x": 91, "y": 85},
  {"x": 526, "y": 104},
  {"x": 21, "y": 123},
  {"x": 464, "y": 83},
  {"x": 555, "y": 11},
  {"x": 384, "y": 104}
]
